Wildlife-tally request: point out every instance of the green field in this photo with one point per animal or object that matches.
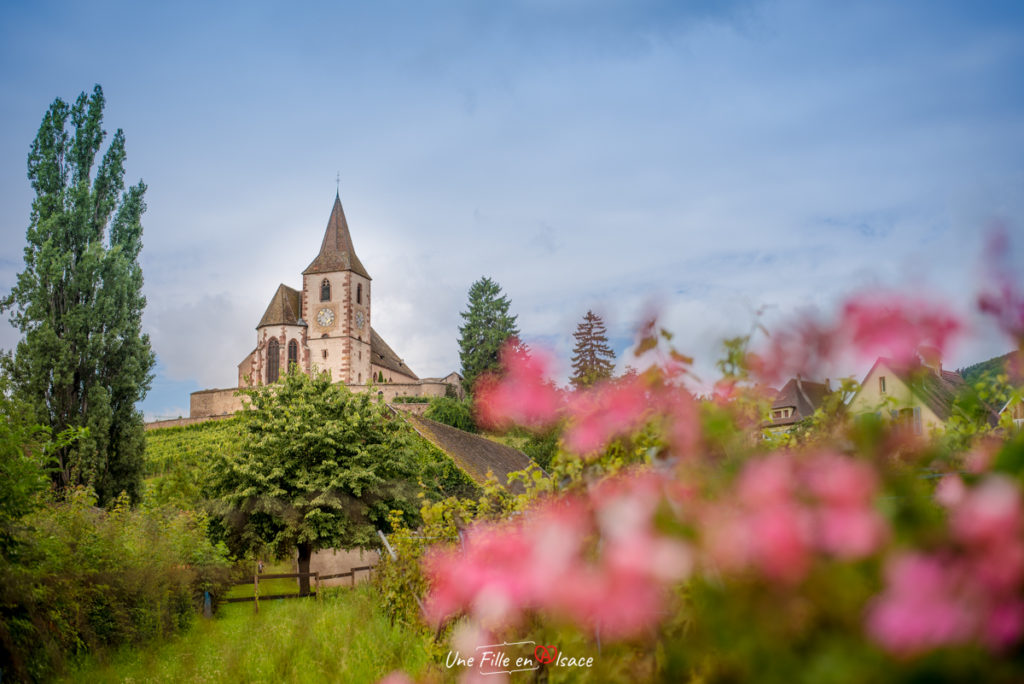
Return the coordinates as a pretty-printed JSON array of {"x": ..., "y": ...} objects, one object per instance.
[{"x": 342, "y": 638}]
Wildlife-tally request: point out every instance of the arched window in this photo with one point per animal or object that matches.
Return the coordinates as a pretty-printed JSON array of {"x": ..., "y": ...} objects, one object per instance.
[
  {"x": 325, "y": 290},
  {"x": 359, "y": 293},
  {"x": 293, "y": 354},
  {"x": 273, "y": 360}
]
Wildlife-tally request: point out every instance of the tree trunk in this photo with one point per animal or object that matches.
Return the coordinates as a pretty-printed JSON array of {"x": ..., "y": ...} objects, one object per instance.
[{"x": 305, "y": 552}]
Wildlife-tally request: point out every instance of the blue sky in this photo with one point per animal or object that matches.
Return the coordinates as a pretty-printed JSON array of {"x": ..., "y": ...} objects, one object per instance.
[{"x": 710, "y": 158}]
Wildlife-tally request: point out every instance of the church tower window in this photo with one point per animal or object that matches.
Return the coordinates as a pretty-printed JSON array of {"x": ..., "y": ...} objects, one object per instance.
[
  {"x": 359, "y": 293},
  {"x": 273, "y": 360},
  {"x": 325, "y": 290},
  {"x": 293, "y": 353}
]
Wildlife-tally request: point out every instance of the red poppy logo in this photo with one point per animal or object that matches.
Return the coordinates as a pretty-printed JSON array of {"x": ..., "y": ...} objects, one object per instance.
[{"x": 545, "y": 654}]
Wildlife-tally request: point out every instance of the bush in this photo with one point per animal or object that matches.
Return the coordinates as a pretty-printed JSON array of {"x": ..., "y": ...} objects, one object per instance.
[
  {"x": 91, "y": 579},
  {"x": 458, "y": 413}
]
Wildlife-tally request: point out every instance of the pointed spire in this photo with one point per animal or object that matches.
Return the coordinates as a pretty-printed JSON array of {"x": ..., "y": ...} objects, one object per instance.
[{"x": 336, "y": 251}]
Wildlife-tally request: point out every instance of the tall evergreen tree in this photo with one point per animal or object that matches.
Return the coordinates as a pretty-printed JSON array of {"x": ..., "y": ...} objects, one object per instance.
[
  {"x": 488, "y": 325},
  {"x": 83, "y": 360},
  {"x": 592, "y": 359}
]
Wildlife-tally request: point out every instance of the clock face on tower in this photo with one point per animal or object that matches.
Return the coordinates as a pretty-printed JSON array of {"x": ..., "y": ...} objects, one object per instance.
[
  {"x": 360, "y": 319},
  {"x": 325, "y": 317}
]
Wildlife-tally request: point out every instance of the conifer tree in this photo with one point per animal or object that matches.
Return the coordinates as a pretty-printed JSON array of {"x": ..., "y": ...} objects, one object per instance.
[
  {"x": 592, "y": 359},
  {"x": 488, "y": 325},
  {"x": 83, "y": 360}
]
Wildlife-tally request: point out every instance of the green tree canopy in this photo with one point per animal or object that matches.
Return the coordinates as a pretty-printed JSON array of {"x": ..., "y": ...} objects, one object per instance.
[
  {"x": 488, "y": 325},
  {"x": 592, "y": 359},
  {"x": 320, "y": 467},
  {"x": 83, "y": 360}
]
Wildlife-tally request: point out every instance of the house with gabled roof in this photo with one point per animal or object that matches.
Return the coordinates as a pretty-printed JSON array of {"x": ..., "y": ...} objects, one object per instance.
[
  {"x": 796, "y": 401},
  {"x": 917, "y": 394}
]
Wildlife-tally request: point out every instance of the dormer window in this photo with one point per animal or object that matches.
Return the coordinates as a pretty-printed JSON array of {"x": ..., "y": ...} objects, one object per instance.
[{"x": 325, "y": 290}]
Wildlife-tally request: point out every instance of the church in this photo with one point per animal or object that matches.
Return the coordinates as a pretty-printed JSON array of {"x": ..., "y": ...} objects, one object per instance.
[{"x": 325, "y": 327}]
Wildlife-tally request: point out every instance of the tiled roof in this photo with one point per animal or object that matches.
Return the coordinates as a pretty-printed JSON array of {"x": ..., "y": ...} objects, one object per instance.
[
  {"x": 383, "y": 355},
  {"x": 285, "y": 308},
  {"x": 474, "y": 454},
  {"x": 802, "y": 395},
  {"x": 336, "y": 251}
]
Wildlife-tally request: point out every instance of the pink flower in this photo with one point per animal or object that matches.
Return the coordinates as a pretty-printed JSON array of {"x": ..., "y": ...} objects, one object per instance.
[
  {"x": 897, "y": 326},
  {"x": 597, "y": 560},
  {"x": 801, "y": 347},
  {"x": 1003, "y": 300},
  {"x": 920, "y": 608},
  {"x": 523, "y": 396},
  {"x": 989, "y": 513},
  {"x": 604, "y": 412},
  {"x": 396, "y": 677},
  {"x": 839, "y": 480},
  {"x": 850, "y": 532}
]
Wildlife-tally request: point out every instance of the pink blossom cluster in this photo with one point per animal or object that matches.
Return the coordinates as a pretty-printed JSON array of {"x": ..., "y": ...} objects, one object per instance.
[
  {"x": 594, "y": 416},
  {"x": 596, "y": 559},
  {"x": 968, "y": 591},
  {"x": 870, "y": 325},
  {"x": 785, "y": 508},
  {"x": 523, "y": 395}
]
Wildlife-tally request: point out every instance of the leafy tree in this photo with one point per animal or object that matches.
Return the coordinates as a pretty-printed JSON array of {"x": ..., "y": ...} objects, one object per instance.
[
  {"x": 83, "y": 360},
  {"x": 592, "y": 359},
  {"x": 488, "y": 325},
  {"x": 320, "y": 467}
]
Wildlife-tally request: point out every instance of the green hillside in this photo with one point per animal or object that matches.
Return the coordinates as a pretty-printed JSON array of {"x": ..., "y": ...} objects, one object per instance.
[{"x": 179, "y": 460}]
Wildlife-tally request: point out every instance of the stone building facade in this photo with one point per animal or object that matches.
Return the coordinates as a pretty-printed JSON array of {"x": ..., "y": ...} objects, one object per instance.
[{"x": 324, "y": 327}]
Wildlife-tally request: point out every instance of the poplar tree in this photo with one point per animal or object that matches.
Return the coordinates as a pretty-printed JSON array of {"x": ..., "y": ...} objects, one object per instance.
[
  {"x": 592, "y": 359},
  {"x": 488, "y": 325},
  {"x": 83, "y": 361}
]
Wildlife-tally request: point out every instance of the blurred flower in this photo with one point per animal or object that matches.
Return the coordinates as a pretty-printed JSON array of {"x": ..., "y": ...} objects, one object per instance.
[
  {"x": 604, "y": 412},
  {"x": 897, "y": 326},
  {"x": 523, "y": 395}
]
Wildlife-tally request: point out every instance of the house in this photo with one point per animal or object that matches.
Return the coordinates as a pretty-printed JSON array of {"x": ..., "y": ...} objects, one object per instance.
[
  {"x": 796, "y": 401},
  {"x": 919, "y": 395}
]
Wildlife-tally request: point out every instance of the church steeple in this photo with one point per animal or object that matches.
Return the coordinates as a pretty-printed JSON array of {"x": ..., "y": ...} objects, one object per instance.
[{"x": 336, "y": 251}]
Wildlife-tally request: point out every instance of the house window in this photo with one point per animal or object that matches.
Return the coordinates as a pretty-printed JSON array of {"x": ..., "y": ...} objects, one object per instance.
[
  {"x": 273, "y": 360},
  {"x": 293, "y": 353},
  {"x": 881, "y": 384},
  {"x": 359, "y": 293},
  {"x": 325, "y": 290}
]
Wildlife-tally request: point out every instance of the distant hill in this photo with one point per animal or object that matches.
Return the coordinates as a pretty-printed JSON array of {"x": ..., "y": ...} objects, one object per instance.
[{"x": 991, "y": 367}]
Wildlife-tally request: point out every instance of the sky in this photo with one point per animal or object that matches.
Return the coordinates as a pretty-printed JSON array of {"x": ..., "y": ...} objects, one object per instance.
[{"x": 723, "y": 163}]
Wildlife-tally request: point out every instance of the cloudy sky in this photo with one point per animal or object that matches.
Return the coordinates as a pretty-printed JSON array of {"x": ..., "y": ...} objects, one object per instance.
[{"x": 710, "y": 159}]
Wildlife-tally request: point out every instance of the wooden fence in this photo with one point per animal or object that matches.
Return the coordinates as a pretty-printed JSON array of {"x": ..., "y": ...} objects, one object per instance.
[{"x": 316, "y": 577}]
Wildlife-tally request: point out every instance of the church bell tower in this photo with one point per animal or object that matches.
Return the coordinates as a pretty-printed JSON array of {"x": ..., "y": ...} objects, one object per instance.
[{"x": 336, "y": 305}]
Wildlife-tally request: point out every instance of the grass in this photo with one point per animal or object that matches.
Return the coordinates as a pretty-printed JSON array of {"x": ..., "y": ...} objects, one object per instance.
[{"x": 342, "y": 638}]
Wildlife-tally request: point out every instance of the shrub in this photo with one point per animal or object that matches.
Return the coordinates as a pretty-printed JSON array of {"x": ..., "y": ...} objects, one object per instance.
[{"x": 457, "y": 413}]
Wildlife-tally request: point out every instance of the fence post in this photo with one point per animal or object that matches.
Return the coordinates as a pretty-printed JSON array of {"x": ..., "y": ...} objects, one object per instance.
[
  {"x": 256, "y": 592},
  {"x": 316, "y": 578}
]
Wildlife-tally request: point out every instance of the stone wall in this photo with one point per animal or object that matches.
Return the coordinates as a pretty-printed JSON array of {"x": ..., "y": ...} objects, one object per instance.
[
  {"x": 214, "y": 402},
  {"x": 334, "y": 561}
]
